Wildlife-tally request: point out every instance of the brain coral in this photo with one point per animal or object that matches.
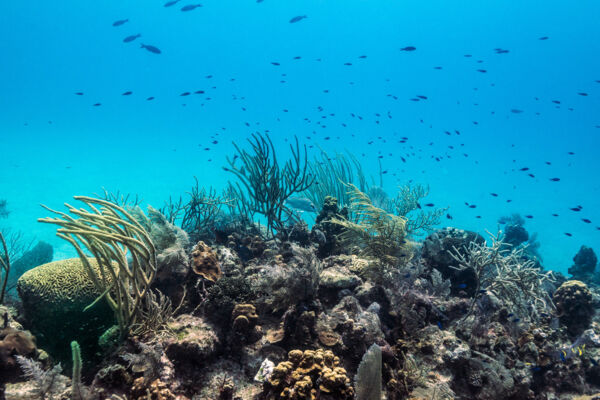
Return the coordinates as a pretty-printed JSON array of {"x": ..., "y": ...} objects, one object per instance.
[
  {"x": 54, "y": 296},
  {"x": 574, "y": 306}
]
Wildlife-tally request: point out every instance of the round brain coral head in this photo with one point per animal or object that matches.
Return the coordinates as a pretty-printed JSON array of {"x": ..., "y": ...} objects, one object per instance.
[
  {"x": 574, "y": 305},
  {"x": 205, "y": 262}
]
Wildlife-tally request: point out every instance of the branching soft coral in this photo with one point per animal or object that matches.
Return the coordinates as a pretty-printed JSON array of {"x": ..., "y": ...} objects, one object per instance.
[
  {"x": 406, "y": 204},
  {"x": 376, "y": 232}
]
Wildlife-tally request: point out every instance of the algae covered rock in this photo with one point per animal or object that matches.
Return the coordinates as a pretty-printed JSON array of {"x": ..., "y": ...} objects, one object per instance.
[
  {"x": 194, "y": 342},
  {"x": 437, "y": 252},
  {"x": 14, "y": 342},
  {"x": 328, "y": 231},
  {"x": 574, "y": 305},
  {"x": 338, "y": 277},
  {"x": 54, "y": 297}
]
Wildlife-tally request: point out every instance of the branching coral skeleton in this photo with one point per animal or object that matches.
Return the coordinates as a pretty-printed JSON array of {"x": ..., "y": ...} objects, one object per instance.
[{"x": 508, "y": 275}]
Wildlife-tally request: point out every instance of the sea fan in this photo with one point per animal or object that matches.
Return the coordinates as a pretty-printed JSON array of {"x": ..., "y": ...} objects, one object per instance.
[{"x": 367, "y": 383}]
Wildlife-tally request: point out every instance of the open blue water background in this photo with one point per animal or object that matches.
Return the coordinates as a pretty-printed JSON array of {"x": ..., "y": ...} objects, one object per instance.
[{"x": 55, "y": 144}]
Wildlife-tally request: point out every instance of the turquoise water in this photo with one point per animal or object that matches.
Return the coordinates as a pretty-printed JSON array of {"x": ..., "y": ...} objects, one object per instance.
[{"x": 55, "y": 144}]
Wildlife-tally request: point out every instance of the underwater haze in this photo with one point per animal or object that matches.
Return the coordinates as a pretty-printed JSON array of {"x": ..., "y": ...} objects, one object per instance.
[{"x": 495, "y": 105}]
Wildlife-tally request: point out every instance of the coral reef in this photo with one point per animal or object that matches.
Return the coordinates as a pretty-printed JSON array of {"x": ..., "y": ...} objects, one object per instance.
[
  {"x": 437, "y": 252},
  {"x": 205, "y": 262},
  {"x": 310, "y": 375},
  {"x": 265, "y": 185},
  {"x": 355, "y": 308},
  {"x": 110, "y": 233},
  {"x": 243, "y": 326},
  {"x": 326, "y": 231},
  {"x": 54, "y": 298},
  {"x": 13, "y": 343},
  {"x": 584, "y": 265},
  {"x": 41, "y": 253},
  {"x": 574, "y": 306},
  {"x": 374, "y": 231}
]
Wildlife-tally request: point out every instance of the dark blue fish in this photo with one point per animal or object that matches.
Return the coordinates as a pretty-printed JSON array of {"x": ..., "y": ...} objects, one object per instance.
[
  {"x": 439, "y": 324},
  {"x": 79, "y": 93},
  {"x": 150, "y": 48},
  {"x": 555, "y": 179},
  {"x": 171, "y": 3},
  {"x": 516, "y": 319},
  {"x": 462, "y": 286},
  {"x": 543, "y": 38},
  {"x": 190, "y": 7},
  {"x": 298, "y": 18},
  {"x": 120, "y": 22},
  {"x": 131, "y": 38},
  {"x": 127, "y": 93},
  {"x": 408, "y": 48},
  {"x": 150, "y": 98},
  {"x": 587, "y": 221}
]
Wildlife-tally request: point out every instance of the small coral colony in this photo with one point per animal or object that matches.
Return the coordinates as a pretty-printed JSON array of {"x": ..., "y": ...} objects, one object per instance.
[{"x": 233, "y": 295}]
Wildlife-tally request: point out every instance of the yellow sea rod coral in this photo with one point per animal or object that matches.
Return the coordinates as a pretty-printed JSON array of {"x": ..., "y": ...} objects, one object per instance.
[{"x": 309, "y": 375}]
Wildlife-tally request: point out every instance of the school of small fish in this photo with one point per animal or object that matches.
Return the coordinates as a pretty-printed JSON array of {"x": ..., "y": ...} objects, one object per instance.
[{"x": 537, "y": 173}]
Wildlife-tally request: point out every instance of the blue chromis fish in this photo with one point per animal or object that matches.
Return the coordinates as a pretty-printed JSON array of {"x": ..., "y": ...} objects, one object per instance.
[
  {"x": 151, "y": 48},
  {"x": 301, "y": 203},
  {"x": 131, "y": 38},
  {"x": 171, "y": 3},
  {"x": 190, "y": 7},
  {"x": 298, "y": 18},
  {"x": 120, "y": 22}
]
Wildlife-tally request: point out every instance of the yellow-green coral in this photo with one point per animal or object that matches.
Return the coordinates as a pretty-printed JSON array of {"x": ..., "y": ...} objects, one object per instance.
[
  {"x": 307, "y": 375},
  {"x": 376, "y": 232},
  {"x": 59, "y": 285},
  {"x": 54, "y": 297}
]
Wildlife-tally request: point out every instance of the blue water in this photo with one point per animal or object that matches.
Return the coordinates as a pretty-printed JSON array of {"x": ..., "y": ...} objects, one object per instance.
[{"x": 55, "y": 144}]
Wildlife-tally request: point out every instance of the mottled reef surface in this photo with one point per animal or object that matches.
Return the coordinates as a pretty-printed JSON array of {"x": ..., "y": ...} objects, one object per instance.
[{"x": 309, "y": 314}]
